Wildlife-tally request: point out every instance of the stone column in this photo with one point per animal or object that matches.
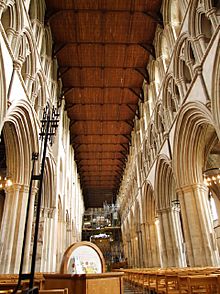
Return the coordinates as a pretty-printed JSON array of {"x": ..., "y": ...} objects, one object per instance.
[
  {"x": 143, "y": 233},
  {"x": 40, "y": 241},
  {"x": 165, "y": 244},
  {"x": 53, "y": 252},
  {"x": 28, "y": 249},
  {"x": 133, "y": 257},
  {"x": 171, "y": 238},
  {"x": 140, "y": 248},
  {"x": 19, "y": 229},
  {"x": 129, "y": 254},
  {"x": 198, "y": 231},
  {"x": 178, "y": 240},
  {"x": 49, "y": 252},
  {"x": 45, "y": 240},
  {"x": 8, "y": 226},
  {"x": 152, "y": 245}
]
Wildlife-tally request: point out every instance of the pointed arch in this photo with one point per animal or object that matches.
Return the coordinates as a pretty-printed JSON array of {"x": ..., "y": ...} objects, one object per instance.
[
  {"x": 171, "y": 100},
  {"x": 149, "y": 205},
  {"x": 188, "y": 147},
  {"x": 3, "y": 96},
  {"x": 27, "y": 55},
  {"x": 215, "y": 98},
  {"x": 165, "y": 186},
  {"x": 49, "y": 184},
  {"x": 20, "y": 127},
  {"x": 38, "y": 93}
]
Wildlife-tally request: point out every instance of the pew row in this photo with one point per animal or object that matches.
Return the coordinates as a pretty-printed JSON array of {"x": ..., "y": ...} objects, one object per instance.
[
  {"x": 68, "y": 284},
  {"x": 174, "y": 280}
]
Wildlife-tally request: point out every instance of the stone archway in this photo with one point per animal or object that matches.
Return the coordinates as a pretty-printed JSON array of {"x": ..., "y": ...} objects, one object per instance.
[
  {"x": 149, "y": 228},
  {"x": 19, "y": 128},
  {"x": 189, "y": 143},
  {"x": 169, "y": 218}
]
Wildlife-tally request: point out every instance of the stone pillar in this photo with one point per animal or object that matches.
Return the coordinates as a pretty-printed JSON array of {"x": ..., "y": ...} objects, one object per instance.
[
  {"x": 28, "y": 249},
  {"x": 171, "y": 243},
  {"x": 151, "y": 245},
  {"x": 129, "y": 254},
  {"x": 49, "y": 251},
  {"x": 53, "y": 252},
  {"x": 133, "y": 259},
  {"x": 45, "y": 240},
  {"x": 8, "y": 226},
  {"x": 140, "y": 248},
  {"x": 19, "y": 230},
  {"x": 178, "y": 240},
  {"x": 143, "y": 234},
  {"x": 201, "y": 245},
  {"x": 40, "y": 241}
]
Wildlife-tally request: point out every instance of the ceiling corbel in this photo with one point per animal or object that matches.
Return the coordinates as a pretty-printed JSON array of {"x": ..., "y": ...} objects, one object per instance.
[
  {"x": 63, "y": 72},
  {"x": 67, "y": 91},
  {"x": 149, "y": 48},
  {"x": 136, "y": 112},
  {"x": 123, "y": 153},
  {"x": 69, "y": 106},
  {"x": 128, "y": 137},
  {"x": 142, "y": 95},
  {"x": 131, "y": 124},
  {"x": 72, "y": 122},
  {"x": 136, "y": 93},
  {"x": 156, "y": 16},
  {"x": 125, "y": 148},
  {"x": 122, "y": 160},
  {"x": 57, "y": 48},
  {"x": 145, "y": 75},
  {"x": 50, "y": 14}
]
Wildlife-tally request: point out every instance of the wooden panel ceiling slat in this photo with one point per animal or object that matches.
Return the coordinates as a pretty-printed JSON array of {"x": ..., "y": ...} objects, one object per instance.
[
  {"x": 138, "y": 5},
  {"x": 102, "y": 48},
  {"x": 101, "y": 96}
]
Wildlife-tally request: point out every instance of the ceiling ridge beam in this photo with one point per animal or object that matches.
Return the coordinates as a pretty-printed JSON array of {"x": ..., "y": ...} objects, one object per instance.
[
  {"x": 55, "y": 12},
  {"x": 102, "y": 104},
  {"x": 102, "y": 88},
  {"x": 59, "y": 46},
  {"x": 100, "y": 66}
]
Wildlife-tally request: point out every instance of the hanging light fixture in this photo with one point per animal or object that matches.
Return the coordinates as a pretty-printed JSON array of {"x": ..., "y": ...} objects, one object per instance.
[
  {"x": 212, "y": 180},
  {"x": 212, "y": 177},
  {"x": 5, "y": 182}
]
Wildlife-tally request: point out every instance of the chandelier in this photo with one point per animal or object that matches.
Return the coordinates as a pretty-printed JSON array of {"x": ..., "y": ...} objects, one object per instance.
[
  {"x": 5, "y": 182},
  {"x": 212, "y": 180},
  {"x": 212, "y": 177}
]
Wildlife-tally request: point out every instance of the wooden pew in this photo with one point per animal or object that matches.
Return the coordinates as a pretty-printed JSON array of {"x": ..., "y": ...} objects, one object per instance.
[{"x": 87, "y": 283}]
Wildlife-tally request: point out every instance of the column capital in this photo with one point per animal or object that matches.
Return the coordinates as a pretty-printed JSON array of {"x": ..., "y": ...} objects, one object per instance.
[
  {"x": 14, "y": 187},
  {"x": 191, "y": 187}
]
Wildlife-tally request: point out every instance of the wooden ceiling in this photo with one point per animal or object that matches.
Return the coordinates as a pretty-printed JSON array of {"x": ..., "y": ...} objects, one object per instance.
[{"x": 102, "y": 48}]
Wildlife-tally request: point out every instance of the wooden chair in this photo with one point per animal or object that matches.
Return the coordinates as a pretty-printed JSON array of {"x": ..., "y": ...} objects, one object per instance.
[{"x": 203, "y": 284}]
